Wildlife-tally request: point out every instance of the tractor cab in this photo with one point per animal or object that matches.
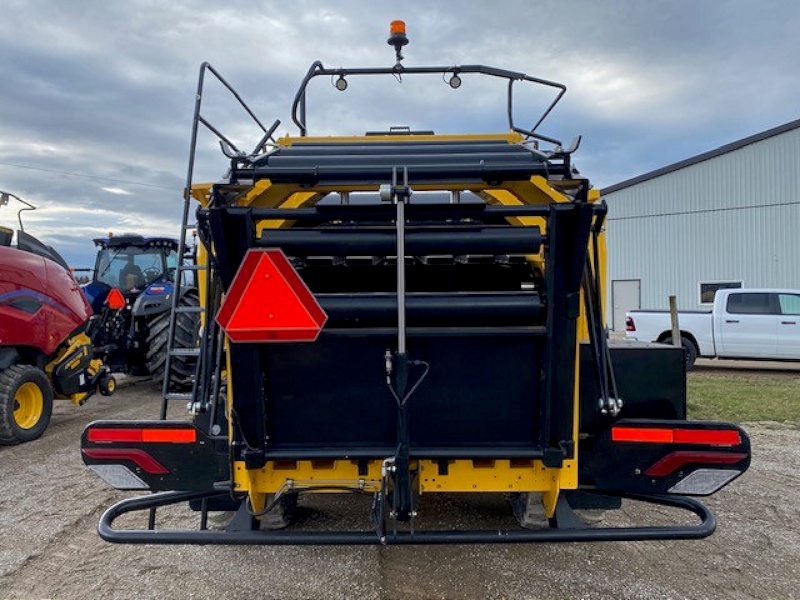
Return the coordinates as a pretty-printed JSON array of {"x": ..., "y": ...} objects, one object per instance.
[
  {"x": 140, "y": 272},
  {"x": 132, "y": 263}
]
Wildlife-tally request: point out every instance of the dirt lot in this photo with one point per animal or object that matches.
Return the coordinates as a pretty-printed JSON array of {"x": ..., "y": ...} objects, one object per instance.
[{"x": 49, "y": 506}]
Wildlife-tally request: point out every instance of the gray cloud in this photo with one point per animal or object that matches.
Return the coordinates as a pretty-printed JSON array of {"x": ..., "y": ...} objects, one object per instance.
[{"x": 105, "y": 90}]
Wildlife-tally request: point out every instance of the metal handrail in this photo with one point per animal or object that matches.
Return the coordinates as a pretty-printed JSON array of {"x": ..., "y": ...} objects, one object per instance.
[
  {"x": 317, "y": 69},
  {"x": 196, "y": 121}
]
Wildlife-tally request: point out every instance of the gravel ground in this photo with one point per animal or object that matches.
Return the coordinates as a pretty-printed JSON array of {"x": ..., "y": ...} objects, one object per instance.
[{"x": 50, "y": 504}]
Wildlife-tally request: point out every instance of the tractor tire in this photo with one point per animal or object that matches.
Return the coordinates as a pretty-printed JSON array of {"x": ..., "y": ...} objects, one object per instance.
[
  {"x": 26, "y": 404},
  {"x": 187, "y": 330}
]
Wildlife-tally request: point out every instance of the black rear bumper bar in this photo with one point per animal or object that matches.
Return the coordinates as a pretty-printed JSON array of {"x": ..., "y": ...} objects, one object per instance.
[{"x": 566, "y": 532}]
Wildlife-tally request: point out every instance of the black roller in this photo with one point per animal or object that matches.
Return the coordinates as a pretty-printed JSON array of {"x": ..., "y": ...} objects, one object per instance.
[
  {"x": 419, "y": 171},
  {"x": 420, "y": 241},
  {"x": 441, "y": 310},
  {"x": 412, "y": 161},
  {"x": 389, "y": 147}
]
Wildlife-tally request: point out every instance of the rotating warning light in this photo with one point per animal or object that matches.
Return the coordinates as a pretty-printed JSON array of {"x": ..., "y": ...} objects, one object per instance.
[
  {"x": 397, "y": 37},
  {"x": 268, "y": 302},
  {"x": 397, "y": 27}
]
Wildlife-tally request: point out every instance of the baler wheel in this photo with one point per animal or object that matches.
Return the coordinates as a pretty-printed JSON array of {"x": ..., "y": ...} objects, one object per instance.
[
  {"x": 26, "y": 404},
  {"x": 282, "y": 515}
]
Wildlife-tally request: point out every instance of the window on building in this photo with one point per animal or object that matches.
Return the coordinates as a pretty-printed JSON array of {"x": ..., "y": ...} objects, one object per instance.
[
  {"x": 790, "y": 304},
  {"x": 708, "y": 289},
  {"x": 752, "y": 303}
]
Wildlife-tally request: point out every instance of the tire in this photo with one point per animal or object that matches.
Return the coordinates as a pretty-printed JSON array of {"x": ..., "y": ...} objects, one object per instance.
[
  {"x": 282, "y": 515},
  {"x": 528, "y": 510},
  {"x": 187, "y": 328},
  {"x": 26, "y": 404},
  {"x": 690, "y": 351},
  {"x": 107, "y": 385}
]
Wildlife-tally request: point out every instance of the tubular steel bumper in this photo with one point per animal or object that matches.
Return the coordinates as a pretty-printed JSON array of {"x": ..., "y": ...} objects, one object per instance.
[{"x": 568, "y": 532}]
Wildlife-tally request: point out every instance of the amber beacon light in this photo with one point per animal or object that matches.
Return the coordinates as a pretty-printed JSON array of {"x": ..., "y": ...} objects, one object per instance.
[{"x": 397, "y": 37}]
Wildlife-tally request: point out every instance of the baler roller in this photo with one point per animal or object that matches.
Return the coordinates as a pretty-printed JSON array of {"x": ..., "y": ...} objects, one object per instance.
[
  {"x": 419, "y": 241},
  {"x": 444, "y": 310},
  {"x": 476, "y": 171},
  {"x": 424, "y": 161},
  {"x": 375, "y": 146}
]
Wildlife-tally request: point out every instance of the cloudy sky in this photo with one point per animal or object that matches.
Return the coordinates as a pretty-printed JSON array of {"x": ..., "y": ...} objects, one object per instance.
[{"x": 97, "y": 96}]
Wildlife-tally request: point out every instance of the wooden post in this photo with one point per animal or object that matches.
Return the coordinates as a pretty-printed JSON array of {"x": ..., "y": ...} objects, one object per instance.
[{"x": 673, "y": 313}]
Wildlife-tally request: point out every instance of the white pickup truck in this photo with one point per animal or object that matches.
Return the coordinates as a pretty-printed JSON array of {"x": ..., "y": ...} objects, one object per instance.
[{"x": 745, "y": 324}]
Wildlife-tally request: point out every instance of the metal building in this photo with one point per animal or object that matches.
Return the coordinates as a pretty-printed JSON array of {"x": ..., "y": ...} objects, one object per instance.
[{"x": 726, "y": 218}]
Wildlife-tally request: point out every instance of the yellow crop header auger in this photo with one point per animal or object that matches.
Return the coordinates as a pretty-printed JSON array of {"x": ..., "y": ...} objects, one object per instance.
[{"x": 403, "y": 314}]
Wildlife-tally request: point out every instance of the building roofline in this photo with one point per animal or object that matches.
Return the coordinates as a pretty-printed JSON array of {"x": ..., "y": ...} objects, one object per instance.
[{"x": 688, "y": 162}]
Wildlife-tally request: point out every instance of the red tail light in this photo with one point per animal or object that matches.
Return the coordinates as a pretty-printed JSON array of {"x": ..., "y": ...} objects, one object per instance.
[
  {"x": 147, "y": 435},
  {"x": 139, "y": 457},
  {"x": 675, "y": 460},
  {"x": 663, "y": 435},
  {"x": 629, "y": 324}
]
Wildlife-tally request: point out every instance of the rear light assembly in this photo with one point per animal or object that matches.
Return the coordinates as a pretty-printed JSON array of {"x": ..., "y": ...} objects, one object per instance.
[
  {"x": 153, "y": 455},
  {"x": 122, "y": 456},
  {"x": 629, "y": 324},
  {"x": 687, "y": 458}
]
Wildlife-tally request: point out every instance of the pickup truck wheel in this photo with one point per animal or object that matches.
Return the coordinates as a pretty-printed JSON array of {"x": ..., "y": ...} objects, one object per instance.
[{"x": 690, "y": 351}]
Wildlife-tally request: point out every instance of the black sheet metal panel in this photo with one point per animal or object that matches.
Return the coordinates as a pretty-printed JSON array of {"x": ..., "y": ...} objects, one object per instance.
[
  {"x": 232, "y": 232},
  {"x": 651, "y": 380},
  {"x": 333, "y": 394},
  {"x": 381, "y": 241},
  {"x": 457, "y": 309},
  {"x": 504, "y": 389}
]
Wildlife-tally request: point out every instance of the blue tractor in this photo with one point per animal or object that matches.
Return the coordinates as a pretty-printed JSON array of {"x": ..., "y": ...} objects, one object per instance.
[{"x": 132, "y": 286}]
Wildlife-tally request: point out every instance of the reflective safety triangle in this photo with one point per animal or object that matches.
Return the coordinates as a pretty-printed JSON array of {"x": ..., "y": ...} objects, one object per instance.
[{"x": 268, "y": 302}]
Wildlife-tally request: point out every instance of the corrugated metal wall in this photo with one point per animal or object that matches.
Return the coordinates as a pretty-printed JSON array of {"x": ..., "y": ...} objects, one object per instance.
[{"x": 733, "y": 217}]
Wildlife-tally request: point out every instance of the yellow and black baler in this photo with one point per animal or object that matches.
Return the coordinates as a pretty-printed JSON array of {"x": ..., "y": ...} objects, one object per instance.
[{"x": 402, "y": 314}]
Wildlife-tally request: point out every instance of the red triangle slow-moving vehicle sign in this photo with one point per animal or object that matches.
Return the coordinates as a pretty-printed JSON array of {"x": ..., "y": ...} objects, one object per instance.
[{"x": 268, "y": 302}]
